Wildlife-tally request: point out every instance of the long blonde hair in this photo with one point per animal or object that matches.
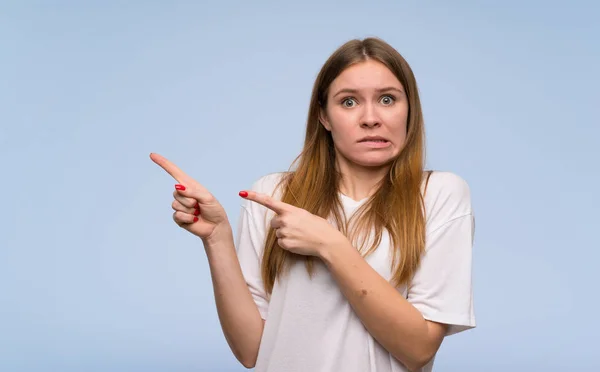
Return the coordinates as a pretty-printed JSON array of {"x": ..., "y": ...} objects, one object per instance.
[{"x": 396, "y": 206}]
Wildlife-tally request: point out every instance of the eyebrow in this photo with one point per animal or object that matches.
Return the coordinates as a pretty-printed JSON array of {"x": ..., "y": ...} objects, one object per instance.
[{"x": 354, "y": 91}]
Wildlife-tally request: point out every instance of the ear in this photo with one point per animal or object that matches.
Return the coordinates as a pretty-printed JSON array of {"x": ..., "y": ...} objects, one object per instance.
[{"x": 323, "y": 119}]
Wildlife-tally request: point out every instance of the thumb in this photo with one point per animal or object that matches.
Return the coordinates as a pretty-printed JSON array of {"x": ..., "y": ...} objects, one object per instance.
[{"x": 200, "y": 195}]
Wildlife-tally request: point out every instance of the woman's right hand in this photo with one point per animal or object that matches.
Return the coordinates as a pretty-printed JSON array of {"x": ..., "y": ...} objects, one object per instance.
[{"x": 196, "y": 209}]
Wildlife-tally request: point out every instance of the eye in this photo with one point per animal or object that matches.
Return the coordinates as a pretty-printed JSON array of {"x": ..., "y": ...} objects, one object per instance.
[
  {"x": 349, "y": 102},
  {"x": 388, "y": 100}
]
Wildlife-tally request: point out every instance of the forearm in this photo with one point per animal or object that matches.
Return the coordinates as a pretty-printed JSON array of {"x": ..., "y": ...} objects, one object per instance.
[
  {"x": 239, "y": 316},
  {"x": 394, "y": 322}
]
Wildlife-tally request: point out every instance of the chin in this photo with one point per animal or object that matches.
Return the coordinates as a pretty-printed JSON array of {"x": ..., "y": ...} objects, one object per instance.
[
  {"x": 373, "y": 163},
  {"x": 368, "y": 159}
]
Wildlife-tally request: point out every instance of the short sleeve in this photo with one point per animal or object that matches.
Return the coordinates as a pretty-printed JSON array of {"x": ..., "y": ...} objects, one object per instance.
[
  {"x": 441, "y": 288},
  {"x": 249, "y": 251}
]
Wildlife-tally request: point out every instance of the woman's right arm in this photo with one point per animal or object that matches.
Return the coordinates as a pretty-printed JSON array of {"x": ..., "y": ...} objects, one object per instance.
[
  {"x": 197, "y": 211},
  {"x": 239, "y": 316}
]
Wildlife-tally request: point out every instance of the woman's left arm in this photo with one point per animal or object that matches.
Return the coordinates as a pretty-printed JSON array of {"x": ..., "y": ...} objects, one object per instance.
[
  {"x": 439, "y": 301},
  {"x": 393, "y": 321}
]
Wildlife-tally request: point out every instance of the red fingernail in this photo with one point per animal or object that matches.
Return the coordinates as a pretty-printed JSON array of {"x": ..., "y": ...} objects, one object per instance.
[
  {"x": 196, "y": 212},
  {"x": 180, "y": 187},
  {"x": 197, "y": 206},
  {"x": 243, "y": 194},
  {"x": 195, "y": 219}
]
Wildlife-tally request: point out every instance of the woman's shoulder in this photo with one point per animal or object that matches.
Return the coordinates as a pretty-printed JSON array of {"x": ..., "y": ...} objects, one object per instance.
[
  {"x": 447, "y": 195},
  {"x": 446, "y": 182}
]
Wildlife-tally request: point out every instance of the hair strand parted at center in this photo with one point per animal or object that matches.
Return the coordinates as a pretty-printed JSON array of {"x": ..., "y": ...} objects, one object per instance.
[{"x": 396, "y": 206}]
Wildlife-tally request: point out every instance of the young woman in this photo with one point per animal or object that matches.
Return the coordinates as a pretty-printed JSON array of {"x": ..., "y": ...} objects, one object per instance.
[{"x": 355, "y": 260}]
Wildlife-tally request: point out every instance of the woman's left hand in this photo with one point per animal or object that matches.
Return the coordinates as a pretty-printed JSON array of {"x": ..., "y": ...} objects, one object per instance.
[{"x": 298, "y": 230}]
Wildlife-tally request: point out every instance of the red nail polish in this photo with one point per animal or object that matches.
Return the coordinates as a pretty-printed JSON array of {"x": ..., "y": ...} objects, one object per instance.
[
  {"x": 196, "y": 212},
  {"x": 197, "y": 206},
  {"x": 195, "y": 219},
  {"x": 180, "y": 187},
  {"x": 243, "y": 194}
]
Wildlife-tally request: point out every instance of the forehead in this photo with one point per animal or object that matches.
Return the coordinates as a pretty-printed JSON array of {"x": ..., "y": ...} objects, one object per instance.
[{"x": 365, "y": 75}]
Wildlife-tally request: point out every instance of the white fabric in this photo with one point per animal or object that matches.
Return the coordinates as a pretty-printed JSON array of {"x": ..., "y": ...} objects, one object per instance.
[{"x": 310, "y": 326}]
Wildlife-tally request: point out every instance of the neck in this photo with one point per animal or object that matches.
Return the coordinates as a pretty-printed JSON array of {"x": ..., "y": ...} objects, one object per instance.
[{"x": 359, "y": 182}]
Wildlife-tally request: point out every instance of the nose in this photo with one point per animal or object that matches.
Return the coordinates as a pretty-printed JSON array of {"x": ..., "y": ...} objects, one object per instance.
[{"x": 370, "y": 119}]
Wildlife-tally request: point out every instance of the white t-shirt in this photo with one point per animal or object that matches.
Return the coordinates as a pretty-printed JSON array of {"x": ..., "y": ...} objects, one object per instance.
[{"x": 311, "y": 327}]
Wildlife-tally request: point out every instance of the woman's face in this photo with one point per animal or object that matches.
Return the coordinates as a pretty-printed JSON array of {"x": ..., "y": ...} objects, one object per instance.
[{"x": 366, "y": 113}]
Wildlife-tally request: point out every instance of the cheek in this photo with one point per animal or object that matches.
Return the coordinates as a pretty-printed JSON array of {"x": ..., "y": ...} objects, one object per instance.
[
  {"x": 399, "y": 124},
  {"x": 343, "y": 135},
  {"x": 341, "y": 126}
]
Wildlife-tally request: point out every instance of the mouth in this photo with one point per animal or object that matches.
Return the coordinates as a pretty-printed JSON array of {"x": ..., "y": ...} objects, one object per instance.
[
  {"x": 375, "y": 142},
  {"x": 373, "y": 139}
]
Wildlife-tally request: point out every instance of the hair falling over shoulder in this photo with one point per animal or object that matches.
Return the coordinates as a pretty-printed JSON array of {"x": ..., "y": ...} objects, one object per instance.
[{"x": 397, "y": 206}]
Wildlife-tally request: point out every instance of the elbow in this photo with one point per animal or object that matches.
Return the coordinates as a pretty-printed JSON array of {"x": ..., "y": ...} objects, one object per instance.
[
  {"x": 248, "y": 360},
  {"x": 416, "y": 365},
  {"x": 245, "y": 355},
  {"x": 249, "y": 364},
  {"x": 246, "y": 350},
  {"x": 417, "y": 361},
  {"x": 423, "y": 352},
  {"x": 417, "y": 357}
]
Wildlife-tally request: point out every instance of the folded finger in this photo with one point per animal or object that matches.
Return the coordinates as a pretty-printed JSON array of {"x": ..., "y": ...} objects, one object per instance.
[
  {"x": 177, "y": 206},
  {"x": 182, "y": 218},
  {"x": 184, "y": 200},
  {"x": 276, "y": 222}
]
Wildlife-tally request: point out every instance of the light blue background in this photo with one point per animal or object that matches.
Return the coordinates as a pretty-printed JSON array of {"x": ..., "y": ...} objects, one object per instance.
[{"x": 94, "y": 274}]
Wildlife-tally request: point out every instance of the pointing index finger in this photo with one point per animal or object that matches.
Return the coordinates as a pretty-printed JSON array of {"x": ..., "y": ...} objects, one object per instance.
[
  {"x": 275, "y": 205},
  {"x": 172, "y": 169}
]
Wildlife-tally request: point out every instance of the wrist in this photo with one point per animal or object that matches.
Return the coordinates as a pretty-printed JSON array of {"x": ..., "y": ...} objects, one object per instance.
[
  {"x": 335, "y": 246},
  {"x": 223, "y": 234}
]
